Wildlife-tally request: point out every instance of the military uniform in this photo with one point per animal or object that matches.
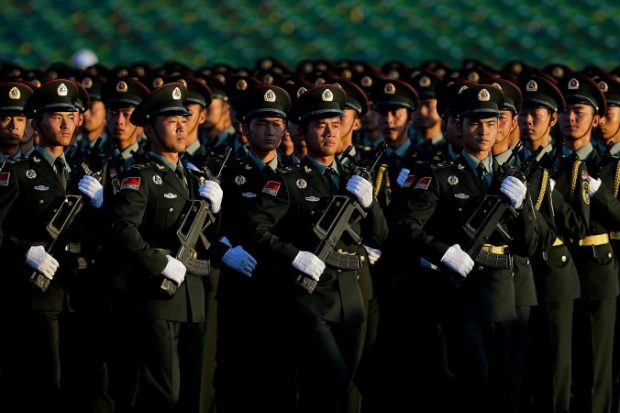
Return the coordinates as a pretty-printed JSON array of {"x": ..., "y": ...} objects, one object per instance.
[{"x": 327, "y": 323}]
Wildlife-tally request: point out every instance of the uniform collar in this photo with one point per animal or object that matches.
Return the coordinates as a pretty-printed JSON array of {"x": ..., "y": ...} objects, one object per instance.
[
  {"x": 128, "y": 152},
  {"x": 503, "y": 157},
  {"x": 273, "y": 164},
  {"x": 50, "y": 158},
  {"x": 401, "y": 151},
  {"x": 191, "y": 149},
  {"x": 321, "y": 168},
  {"x": 473, "y": 162},
  {"x": 582, "y": 152},
  {"x": 614, "y": 150},
  {"x": 163, "y": 160}
]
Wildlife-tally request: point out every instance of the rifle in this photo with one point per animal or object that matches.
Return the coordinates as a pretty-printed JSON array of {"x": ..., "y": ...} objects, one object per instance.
[
  {"x": 339, "y": 217},
  {"x": 58, "y": 226},
  {"x": 197, "y": 217}
]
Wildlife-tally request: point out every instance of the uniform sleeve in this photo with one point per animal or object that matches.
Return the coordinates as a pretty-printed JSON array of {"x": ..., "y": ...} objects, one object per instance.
[{"x": 8, "y": 194}]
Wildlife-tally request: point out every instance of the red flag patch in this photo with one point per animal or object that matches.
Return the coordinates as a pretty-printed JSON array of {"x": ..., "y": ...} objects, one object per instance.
[
  {"x": 271, "y": 188},
  {"x": 409, "y": 181},
  {"x": 132, "y": 182},
  {"x": 423, "y": 183},
  {"x": 4, "y": 178}
]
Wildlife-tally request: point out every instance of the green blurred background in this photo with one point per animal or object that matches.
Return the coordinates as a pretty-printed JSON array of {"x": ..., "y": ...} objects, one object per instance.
[{"x": 238, "y": 32}]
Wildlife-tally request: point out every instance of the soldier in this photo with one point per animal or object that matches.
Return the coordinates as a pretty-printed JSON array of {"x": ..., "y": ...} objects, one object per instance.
[
  {"x": 326, "y": 328},
  {"x": 13, "y": 125},
  {"x": 595, "y": 311},
  {"x": 145, "y": 216},
  {"x": 447, "y": 198},
  {"x": 246, "y": 298},
  {"x": 565, "y": 216},
  {"x": 31, "y": 192}
]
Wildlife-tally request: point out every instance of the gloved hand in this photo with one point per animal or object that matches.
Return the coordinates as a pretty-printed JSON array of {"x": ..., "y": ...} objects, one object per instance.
[
  {"x": 93, "y": 189},
  {"x": 361, "y": 189},
  {"x": 309, "y": 264},
  {"x": 212, "y": 192},
  {"x": 41, "y": 261},
  {"x": 174, "y": 270},
  {"x": 457, "y": 260},
  {"x": 373, "y": 254},
  {"x": 594, "y": 185},
  {"x": 239, "y": 260},
  {"x": 551, "y": 184},
  {"x": 402, "y": 177},
  {"x": 515, "y": 190}
]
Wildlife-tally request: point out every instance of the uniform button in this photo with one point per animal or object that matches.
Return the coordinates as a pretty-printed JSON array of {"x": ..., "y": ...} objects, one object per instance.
[
  {"x": 609, "y": 255},
  {"x": 564, "y": 258},
  {"x": 527, "y": 261},
  {"x": 171, "y": 209},
  {"x": 480, "y": 268},
  {"x": 40, "y": 202},
  {"x": 460, "y": 209}
]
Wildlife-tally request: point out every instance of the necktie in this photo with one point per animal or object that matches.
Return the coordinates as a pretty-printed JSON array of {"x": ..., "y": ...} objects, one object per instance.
[
  {"x": 59, "y": 165},
  {"x": 483, "y": 176},
  {"x": 180, "y": 172},
  {"x": 331, "y": 177}
]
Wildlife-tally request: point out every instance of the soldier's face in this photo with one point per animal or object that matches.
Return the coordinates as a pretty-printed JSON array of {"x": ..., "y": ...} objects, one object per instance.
[
  {"x": 266, "y": 134},
  {"x": 218, "y": 109},
  {"x": 394, "y": 123},
  {"x": 58, "y": 128},
  {"x": 120, "y": 128},
  {"x": 426, "y": 115},
  {"x": 94, "y": 117},
  {"x": 577, "y": 121},
  {"x": 507, "y": 123},
  {"x": 168, "y": 133},
  {"x": 198, "y": 116},
  {"x": 452, "y": 132},
  {"x": 479, "y": 134},
  {"x": 323, "y": 136},
  {"x": 535, "y": 125},
  {"x": 12, "y": 129},
  {"x": 609, "y": 125},
  {"x": 349, "y": 123}
]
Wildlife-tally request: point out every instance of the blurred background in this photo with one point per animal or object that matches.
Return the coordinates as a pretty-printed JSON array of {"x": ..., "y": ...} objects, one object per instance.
[{"x": 238, "y": 32}]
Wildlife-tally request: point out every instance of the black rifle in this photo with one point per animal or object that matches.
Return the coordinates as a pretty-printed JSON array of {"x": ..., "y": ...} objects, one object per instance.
[
  {"x": 340, "y": 215},
  {"x": 196, "y": 218},
  {"x": 58, "y": 227}
]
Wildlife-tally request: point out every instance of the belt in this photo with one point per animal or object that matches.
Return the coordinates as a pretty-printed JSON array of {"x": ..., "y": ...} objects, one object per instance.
[
  {"x": 593, "y": 240},
  {"x": 558, "y": 241},
  {"x": 615, "y": 235},
  {"x": 344, "y": 260},
  {"x": 495, "y": 249}
]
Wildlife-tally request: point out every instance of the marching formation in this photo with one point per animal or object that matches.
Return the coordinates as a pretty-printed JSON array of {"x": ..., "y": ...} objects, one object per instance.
[{"x": 338, "y": 237}]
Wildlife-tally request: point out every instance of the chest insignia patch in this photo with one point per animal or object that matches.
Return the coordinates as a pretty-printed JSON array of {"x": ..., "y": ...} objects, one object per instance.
[
  {"x": 41, "y": 188},
  {"x": 248, "y": 195},
  {"x": 240, "y": 179},
  {"x": 170, "y": 195},
  {"x": 453, "y": 180},
  {"x": 157, "y": 180},
  {"x": 30, "y": 173},
  {"x": 271, "y": 188},
  {"x": 301, "y": 183},
  {"x": 132, "y": 182},
  {"x": 4, "y": 178},
  {"x": 461, "y": 195},
  {"x": 313, "y": 198},
  {"x": 423, "y": 183}
]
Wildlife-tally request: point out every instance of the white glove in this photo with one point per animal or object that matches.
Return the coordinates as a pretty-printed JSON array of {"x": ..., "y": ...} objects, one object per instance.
[
  {"x": 457, "y": 260},
  {"x": 515, "y": 190},
  {"x": 212, "y": 192},
  {"x": 362, "y": 189},
  {"x": 175, "y": 270},
  {"x": 402, "y": 177},
  {"x": 551, "y": 184},
  {"x": 41, "y": 261},
  {"x": 239, "y": 260},
  {"x": 373, "y": 254},
  {"x": 93, "y": 189},
  {"x": 309, "y": 264},
  {"x": 594, "y": 185}
]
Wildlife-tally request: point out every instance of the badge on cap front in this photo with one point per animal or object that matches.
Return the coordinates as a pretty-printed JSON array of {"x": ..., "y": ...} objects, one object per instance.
[
  {"x": 389, "y": 89},
  {"x": 87, "y": 82},
  {"x": 531, "y": 86},
  {"x": 327, "y": 96},
  {"x": 121, "y": 87},
  {"x": 176, "y": 94},
  {"x": 270, "y": 96},
  {"x": 425, "y": 81},
  {"x": 603, "y": 86},
  {"x": 62, "y": 90},
  {"x": 14, "y": 93},
  {"x": 573, "y": 84},
  {"x": 484, "y": 95}
]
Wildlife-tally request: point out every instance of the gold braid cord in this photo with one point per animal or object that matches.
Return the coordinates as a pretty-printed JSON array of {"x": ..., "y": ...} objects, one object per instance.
[
  {"x": 379, "y": 179},
  {"x": 543, "y": 188},
  {"x": 573, "y": 178},
  {"x": 617, "y": 179}
]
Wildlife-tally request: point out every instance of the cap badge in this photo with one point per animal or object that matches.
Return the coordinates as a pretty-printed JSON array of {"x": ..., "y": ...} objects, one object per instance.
[
  {"x": 531, "y": 86},
  {"x": 122, "y": 73},
  {"x": 36, "y": 83},
  {"x": 242, "y": 84},
  {"x": 183, "y": 82},
  {"x": 557, "y": 72},
  {"x": 176, "y": 93},
  {"x": 301, "y": 183},
  {"x": 389, "y": 89},
  {"x": 14, "y": 93},
  {"x": 603, "y": 86},
  {"x": 87, "y": 82},
  {"x": 425, "y": 81},
  {"x": 484, "y": 95},
  {"x": 366, "y": 81},
  {"x": 157, "y": 82},
  {"x": 62, "y": 90},
  {"x": 462, "y": 88},
  {"x": 122, "y": 87},
  {"x": 240, "y": 179},
  {"x": 327, "y": 96},
  {"x": 270, "y": 96},
  {"x": 301, "y": 91},
  {"x": 393, "y": 74},
  {"x": 573, "y": 84},
  {"x": 473, "y": 76}
]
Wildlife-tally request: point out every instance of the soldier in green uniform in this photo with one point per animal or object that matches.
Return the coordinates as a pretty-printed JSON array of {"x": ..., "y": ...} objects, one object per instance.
[
  {"x": 432, "y": 223},
  {"x": 145, "y": 216},
  {"x": 326, "y": 326},
  {"x": 13, "y": 121}
]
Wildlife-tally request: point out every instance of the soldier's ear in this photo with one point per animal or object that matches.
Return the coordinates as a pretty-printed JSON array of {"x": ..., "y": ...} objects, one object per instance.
[
  {"x": 596, "y": 120},
  {"x": 554, "y": 119}
]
